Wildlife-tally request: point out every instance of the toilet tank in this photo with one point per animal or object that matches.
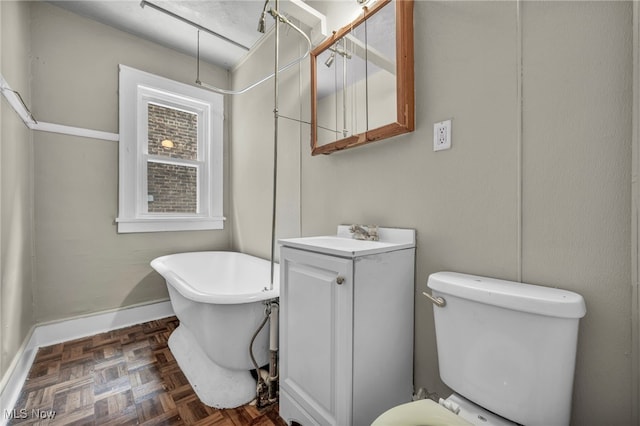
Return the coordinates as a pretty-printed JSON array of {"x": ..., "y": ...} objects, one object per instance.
[{"x": 509, "y": 347}]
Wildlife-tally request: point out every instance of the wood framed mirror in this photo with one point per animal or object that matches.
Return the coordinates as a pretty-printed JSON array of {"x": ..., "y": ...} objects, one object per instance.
[{"x": 362, "y": 79}]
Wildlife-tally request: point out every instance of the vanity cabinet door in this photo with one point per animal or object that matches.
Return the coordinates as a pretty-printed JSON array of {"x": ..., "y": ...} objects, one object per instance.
[{"x": 316, "y": 331}]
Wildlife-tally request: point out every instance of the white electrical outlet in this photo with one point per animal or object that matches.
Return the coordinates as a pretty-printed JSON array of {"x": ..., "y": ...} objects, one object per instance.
[{"x": 442, "y": 135}]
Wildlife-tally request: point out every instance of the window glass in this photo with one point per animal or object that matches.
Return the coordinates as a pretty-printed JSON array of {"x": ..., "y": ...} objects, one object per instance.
[
  {"x": 171, "y": 155},
  {"x": 171, "y": 188},
  {"x": 172, "y": 133}
]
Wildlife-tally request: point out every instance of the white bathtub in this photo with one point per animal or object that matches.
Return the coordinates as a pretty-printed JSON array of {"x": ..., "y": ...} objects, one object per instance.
[{"x": 219, "y": 299}]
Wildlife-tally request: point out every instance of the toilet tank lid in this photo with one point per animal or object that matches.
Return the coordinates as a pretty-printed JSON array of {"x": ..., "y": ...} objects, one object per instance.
[{"x": 509, "y": 294}]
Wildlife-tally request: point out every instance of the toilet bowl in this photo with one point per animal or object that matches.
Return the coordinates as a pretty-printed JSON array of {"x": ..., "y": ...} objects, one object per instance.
[{"x": 426, "y": 412}]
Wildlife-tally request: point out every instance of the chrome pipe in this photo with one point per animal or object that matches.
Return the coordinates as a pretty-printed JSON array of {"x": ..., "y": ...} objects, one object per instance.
[
  {"x": 262, "y": 24},
  {"x": 272, "y": 385},
  {"x": 275, "y": 140},
  {"x": 284, "y": 20},
  {"x": 144, "y": 3}
]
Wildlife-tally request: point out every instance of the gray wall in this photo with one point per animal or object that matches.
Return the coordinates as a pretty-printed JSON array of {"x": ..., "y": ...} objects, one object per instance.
[
  {"x": 82, "y": 265},
  {"x": 537, "y": 185},
  {"x": 577, "y": 184},
  {"x": 546, "y": 197},
  {"x": 60, "y": 255},
  {"x": 251, "y": 153},
  {"x": 16, "y": 188}
]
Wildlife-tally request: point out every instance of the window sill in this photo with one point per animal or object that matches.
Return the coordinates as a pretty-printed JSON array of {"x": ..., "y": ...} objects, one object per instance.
[{"x": 127, "y": 226}]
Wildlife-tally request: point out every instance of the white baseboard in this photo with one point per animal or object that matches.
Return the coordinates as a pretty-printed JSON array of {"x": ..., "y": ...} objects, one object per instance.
[
  {"x": 47, "y": 334},
  {"x": 62, "y": 331}
]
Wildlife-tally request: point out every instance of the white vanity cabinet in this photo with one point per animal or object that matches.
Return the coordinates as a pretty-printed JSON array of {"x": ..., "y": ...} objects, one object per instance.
[{"x": 346, "y": 327}]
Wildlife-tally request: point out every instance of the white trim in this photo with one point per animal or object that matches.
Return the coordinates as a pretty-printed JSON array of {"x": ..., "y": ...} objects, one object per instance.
[
  {"x": 137, "y": 90},
  {"x": 14, "y": 101},
  {"x": 16, "y": 375},
  {"x": 126, "y": 226},
  {"x": 54, "y": 332},
  {"x": 26, "y": 117},
  {"x": 74, "y": 131},
  {"x": 308, "y": 16},
  {"x": 47, "y": 334}
]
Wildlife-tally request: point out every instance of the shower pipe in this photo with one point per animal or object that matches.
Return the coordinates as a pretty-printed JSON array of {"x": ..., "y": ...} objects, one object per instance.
[
  {"x": 272, "y": 313},
  {"x": 273, "y": 12},
  {"x": 276, "y": 88},
  {"x": 267, "y": 381},
  {"x": 261, "y": 382},
  {"x": 278, "y": 17}
]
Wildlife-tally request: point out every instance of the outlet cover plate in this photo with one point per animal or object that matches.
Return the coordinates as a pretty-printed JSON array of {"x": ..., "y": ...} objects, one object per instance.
[{"x": 442, "y": 135}]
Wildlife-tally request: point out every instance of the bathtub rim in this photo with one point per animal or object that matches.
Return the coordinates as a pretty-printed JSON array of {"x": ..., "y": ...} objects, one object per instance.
[{"x": 191, "y": 293}]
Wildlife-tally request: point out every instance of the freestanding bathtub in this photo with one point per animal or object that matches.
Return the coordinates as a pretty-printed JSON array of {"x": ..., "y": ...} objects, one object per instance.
[{"x": 219, "y": 299}]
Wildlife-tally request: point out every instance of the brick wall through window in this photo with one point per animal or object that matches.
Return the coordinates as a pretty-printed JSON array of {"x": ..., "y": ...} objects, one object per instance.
[{"x": 172, "y": 188}]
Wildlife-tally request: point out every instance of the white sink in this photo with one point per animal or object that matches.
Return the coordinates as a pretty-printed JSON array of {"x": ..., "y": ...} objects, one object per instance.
[{"x": 345, "y": 246}]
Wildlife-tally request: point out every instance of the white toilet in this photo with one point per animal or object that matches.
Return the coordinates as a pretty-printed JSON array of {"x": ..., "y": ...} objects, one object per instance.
[{"x": 506, "y": 349}]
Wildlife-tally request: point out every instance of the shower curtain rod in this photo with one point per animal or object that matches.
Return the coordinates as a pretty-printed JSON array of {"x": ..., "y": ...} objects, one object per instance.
[
  {"x": 144, "y": 3},
  {"x": 278, "y": 16},
  {"x": 274, "y": 13}
]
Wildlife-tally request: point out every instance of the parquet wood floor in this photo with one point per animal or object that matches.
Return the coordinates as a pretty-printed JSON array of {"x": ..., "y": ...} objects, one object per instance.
[{"x": 122, "y": 377}]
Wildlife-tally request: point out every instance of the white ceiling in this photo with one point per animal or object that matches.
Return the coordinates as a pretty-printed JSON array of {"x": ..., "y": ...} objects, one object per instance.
[{"x": 234, "y": 19}]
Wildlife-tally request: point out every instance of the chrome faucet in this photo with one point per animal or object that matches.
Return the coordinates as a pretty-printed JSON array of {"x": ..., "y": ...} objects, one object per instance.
[{"x": 364, "y": 232}]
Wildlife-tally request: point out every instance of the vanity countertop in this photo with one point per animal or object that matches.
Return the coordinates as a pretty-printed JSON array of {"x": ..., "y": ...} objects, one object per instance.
[{"x": 344, "y": 245}]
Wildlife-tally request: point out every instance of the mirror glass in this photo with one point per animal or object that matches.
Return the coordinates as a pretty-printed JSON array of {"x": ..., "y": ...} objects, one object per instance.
[{"x": 362, "y": 79}]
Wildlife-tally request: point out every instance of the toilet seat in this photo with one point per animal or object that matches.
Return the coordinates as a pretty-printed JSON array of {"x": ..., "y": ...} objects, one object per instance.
[{"x": 424, "y": 412}]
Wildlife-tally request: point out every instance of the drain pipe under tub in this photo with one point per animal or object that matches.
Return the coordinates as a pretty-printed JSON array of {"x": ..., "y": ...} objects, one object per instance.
[
  {"x": 267, "y": 385},
  {"x": 272, "y": 383}
]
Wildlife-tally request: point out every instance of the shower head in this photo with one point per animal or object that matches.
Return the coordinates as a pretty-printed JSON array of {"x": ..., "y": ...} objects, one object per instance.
[
  {"x": 330, "y": 60},
  {"x": 262, "y": 23},
  {"x": 263, "y": 18}
]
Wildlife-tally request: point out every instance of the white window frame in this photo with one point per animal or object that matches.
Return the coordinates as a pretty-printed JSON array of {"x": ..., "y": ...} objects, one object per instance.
[{"x": 137, "y": 90}]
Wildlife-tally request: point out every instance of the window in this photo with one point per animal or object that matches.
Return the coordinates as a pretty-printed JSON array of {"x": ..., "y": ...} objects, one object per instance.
[{"x": 170, "y": 155}]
